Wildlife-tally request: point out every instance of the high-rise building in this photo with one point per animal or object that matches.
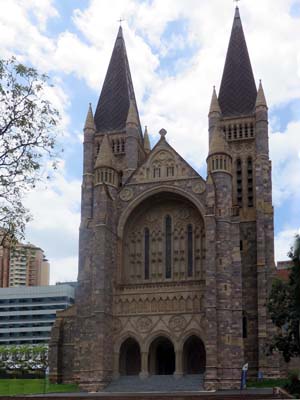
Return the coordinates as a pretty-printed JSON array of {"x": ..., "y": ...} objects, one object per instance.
[
  {"x": 28, "y": 313},
  {"x": 4, "y": 266},
  {"x": 174, "y": 269},
  {"x": 28, "y": 266}
]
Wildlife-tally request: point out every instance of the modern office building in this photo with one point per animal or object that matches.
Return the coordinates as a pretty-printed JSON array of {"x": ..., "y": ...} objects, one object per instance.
[
  {"x": 28, "y": 313},
  {"x": 28, "y": 266}
]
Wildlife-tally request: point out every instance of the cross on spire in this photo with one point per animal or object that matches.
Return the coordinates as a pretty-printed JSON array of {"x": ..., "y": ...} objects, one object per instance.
[{"x": 120, "y": 21}]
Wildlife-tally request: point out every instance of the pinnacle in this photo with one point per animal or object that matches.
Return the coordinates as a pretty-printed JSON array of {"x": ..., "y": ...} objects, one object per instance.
[
  {"x": 261, "y": 99},
  {"x": 214, "y": 105},
  {"x": 89, "y": 122},
  {"x": 104, "y": 158},
  {"x": 147, "y": 146},
  {"x": 120, "y": 33},
  {"x": 132, "y": 117},
  {"x": 218, "y": 143}
]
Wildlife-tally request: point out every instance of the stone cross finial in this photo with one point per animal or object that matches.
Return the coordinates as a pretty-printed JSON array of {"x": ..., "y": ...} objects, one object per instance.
[
  {"x": 162, "y": 133},
  {"x": 120, "y": 21}
]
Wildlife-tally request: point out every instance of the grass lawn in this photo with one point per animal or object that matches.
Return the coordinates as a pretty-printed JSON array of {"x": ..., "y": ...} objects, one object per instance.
[
  {"x": 266, "y": 383},
  {"x": 32, "y": 386}
]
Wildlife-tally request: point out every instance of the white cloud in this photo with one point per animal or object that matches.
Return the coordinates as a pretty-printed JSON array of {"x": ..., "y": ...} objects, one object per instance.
[
  {"x": 285, "y": 148},
  {"x": 63, "y": 270},
  {"x": 56, "y": 215},
  {"x": 283, "y": 242},
  {"x": 177, "y": 102}
]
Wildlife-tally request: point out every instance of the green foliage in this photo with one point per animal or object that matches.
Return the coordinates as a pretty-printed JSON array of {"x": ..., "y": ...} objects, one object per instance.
[
  {"x": 267, "y": 383},
  {"x": 27, "y": 139},
  {"x": 23, "y": 358},
  {"x": 10, "y": 387},
  {"x": 284, "y": 309}
]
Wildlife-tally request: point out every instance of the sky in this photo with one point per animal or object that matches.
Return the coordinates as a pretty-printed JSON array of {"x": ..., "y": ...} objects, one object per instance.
[{"x": 176, "y": 51}]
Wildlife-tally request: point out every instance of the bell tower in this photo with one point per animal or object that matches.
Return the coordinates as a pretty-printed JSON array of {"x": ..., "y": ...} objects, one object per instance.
[{"x": 241, "y": 113}]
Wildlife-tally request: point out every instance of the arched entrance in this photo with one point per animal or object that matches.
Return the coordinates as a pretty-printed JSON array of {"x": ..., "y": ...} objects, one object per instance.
[
  {"x": 161, "y": 359},
  {"x": 130, "y": 358},
  {"x": 194, "y": 356}
]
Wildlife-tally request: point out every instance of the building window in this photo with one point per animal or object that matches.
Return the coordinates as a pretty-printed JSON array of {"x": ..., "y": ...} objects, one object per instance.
[
  {"x": 156, "y": 173},
  {"x": 245, "y": 327},
  {"x": 147, "y": 252},
  {"x": 168, "y": 250},
  {"x": 250, "y": 182},
  {"x": 170, "y": 171},
  {"x": 190, "y": 250},
  {"x": 239, "y": 183}
]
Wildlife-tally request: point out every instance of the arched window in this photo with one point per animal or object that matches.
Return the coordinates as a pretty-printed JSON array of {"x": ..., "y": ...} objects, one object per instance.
[
  {"x": 146, "y": 252},
  {"x": 250, "y": 182},
  {"x": 156, "y": 172},
  {"x": 239, "y": 182},
  {"x": 245, "y": 327},
  {"x": 168, "y": 249},
  {"x": 123, "y": 145},
  {"x": 190, "y": 250}
]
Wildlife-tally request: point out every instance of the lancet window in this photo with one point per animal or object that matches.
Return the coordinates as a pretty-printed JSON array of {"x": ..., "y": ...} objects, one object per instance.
[
  {"x": 164, "y": 242},
  {"x": 147, "y": 253},
  {"x": 190, "y": 250},
  {"x": 239, "y": 182},
  {"x": 250, "y": 182},
  {"x": 168, "y": 248}
]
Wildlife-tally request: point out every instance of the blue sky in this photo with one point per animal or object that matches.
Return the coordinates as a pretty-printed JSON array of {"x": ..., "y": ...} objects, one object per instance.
[{"x": 176, "y": 53}]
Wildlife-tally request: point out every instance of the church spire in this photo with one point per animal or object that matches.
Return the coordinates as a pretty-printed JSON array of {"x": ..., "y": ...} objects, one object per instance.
[
  {"x": 261, "y": 98},
  {"x": 147, "y": 145},
  {"x": 214, "y": 105},
  {"x": 238, "y": 90},
  {"x": 104, "y": 158},
  {"x": 89, "y": 122},
  {"x": 117, "y": 91}
]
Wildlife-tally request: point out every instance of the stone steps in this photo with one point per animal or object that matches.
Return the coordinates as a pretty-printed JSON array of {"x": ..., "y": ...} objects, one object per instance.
[{"x": 156, "y": 383}]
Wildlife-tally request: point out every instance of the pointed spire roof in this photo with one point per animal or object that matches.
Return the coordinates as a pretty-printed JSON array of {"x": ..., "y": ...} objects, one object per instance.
[
  {"x": 261, "y": 98},
  {"x": 238, "y": 90},
  {"x": 147, "y": 145},
  {"x": 117, "y": 91},
  {"x": 104, "y": 158},
  {"x": 214, "y": 105},
  {"x": 89, "y": 122}
]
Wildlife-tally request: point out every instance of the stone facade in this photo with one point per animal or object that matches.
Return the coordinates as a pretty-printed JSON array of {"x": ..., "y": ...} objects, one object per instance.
[{"x": 173, "y": 268}]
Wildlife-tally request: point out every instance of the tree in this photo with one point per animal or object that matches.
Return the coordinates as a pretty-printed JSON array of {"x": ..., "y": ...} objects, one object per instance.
[
  {"x": 27, "y": 139},
  {"x": 284, "y": 309}
]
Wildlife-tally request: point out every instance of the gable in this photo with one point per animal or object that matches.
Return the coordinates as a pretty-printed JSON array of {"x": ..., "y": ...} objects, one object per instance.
[{"x": 163, "y": 164}]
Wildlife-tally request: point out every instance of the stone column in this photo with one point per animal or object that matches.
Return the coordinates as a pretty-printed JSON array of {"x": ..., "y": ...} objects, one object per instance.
[
  {"x": 178, "y": 360},
  {"x": 144, "y": 370},
  {"x": 116, "y": 373}
]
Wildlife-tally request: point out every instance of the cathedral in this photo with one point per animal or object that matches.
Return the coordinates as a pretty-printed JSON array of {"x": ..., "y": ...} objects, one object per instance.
[{"x": 174, "y": 268}]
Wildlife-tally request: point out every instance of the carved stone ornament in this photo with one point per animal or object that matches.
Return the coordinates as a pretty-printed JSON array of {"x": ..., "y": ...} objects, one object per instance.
[
  {"x": 126, "y": 194},
  {"x": 177, "y": 323},
  {"x": 144, "y": 324},
  {"x": 117, "y": 325},
  {"x": 199, "y": 188}
]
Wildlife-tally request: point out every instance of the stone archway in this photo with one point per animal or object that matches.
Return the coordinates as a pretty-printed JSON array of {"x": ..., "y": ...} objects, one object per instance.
[
  {"x": 194, "y": 356},
  {"x": 130, "y": 358},
  {"x": 161, "y": 358}
]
